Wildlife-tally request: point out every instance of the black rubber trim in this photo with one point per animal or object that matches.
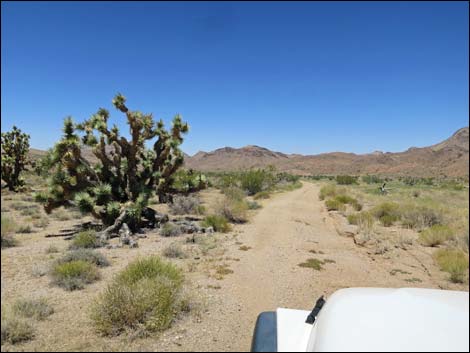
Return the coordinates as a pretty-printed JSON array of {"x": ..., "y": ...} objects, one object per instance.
[
  {"x": 265, "y": 334},
  {"x": 316, "y": 309}
]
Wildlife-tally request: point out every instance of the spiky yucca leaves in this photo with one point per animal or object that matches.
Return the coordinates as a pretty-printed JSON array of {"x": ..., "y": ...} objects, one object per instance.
[
  {"x": 127, "y": 173},
  {"x": 15, "y": 147}
]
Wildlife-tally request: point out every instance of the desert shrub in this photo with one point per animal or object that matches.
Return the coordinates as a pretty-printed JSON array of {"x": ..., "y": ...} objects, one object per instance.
[
  {"x": 146, "y": 295},
  {"x": 372, "y": 179},
  {"x": 174, "y": 251},
  {"x": 235, "y": 210},
  {"x": 218, "y": 222},
  {"x": 38, "y": 309},
  {"x": 74, "y": 274},
  {"x": 86, "y": 240},
  {"x": 8, "y": 226},
  {"x": 256, "y": 180},
  {"x": 24, "y": 229},
  {"x": 386, "y": 209},
  {"x": 87, "y": 255},
  {"x": 234, "y": 193},
  {"x": 15, "y": 330},
  {"x": 200, "y": 210},
  {"x": 418, "y": 217},
  {"x": 14, "y": 156},
  {"x": 345, "y": 199},
  {"x": 62, "y": 215},
  {"x": 453, "y": 261},
  {"x": 334, "y": 205},
  {"x": 187, "y": 181},
  {"x": 360, "y": 218},
  {"x": 388, "y": 220},
  {"x": 329, "y": 190},
  {"x": 436, "y": 235},
  {"x": 8, "y": 241},
  {"x": 253, "y": 205},
  {"x": 346, "y": 180},
  {"x": 184, "y": 205},
  {"x": 262, "y": 195},
  {"x": 314, "y": 264},
  {"x": 170, "y": 230}
]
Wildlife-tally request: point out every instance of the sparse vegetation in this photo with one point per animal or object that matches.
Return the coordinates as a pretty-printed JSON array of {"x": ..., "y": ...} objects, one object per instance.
[
  {"x": 174, "y": 251},
  {"x": 15, "y": 330},
  {"x": 87, "y": 255},
  {"x": 346, "y": 180},
  {"x": 145, "y": 296},
  {"x": 313, "y": 264},
  {"x": 8, "y": 227},
  {"x": 38, "y": 309},
  {"x": 74, "y": 275},
  {"x": 453, "y": 261},
  {"x": 436, "y": 235},
  {"x": 219, "y": 223},
  {"x": 184, "y": 205},
  {"x": 334, "y": 205},
  {"x": 86, "y": 240},
  {"x": 170, "y": 230}
]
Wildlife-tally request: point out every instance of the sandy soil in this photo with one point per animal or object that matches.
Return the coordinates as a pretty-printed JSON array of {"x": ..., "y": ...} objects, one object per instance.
[{"x": 266, "y": 276}]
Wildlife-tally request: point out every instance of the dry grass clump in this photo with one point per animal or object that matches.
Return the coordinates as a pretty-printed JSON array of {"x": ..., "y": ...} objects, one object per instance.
[
  {"x": 329, "y": 190},
  {"x": 185, "y": 205},
  {"x": 145, "y": 296},
  {"x": 74, "y": 275},
  {"x": 170, "y": 230},
  {"x": 420, "y": 216},
  {"x": 453, "y": 261},
  {"x": 174, "y": 251},
  {"x": 37, "y": 309},
  {"x": 88, "y": 255},
  {"x": 436, "y": 235},
  {"x": 262, "y": 195},
  {"x": 313, "y": 264},
  {"x": 15, "y": 330},
  {"x": 334, "y": 205},
  {"x": 8, "y": 227}
]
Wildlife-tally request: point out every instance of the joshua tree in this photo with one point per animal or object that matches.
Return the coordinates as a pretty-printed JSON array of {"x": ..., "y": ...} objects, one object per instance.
[
  {"x": 117, "y": 188},
  {"x": 15, "y": 147}
]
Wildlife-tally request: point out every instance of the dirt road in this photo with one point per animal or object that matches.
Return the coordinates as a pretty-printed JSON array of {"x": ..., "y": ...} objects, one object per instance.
[{"x": 281, "y": 236}]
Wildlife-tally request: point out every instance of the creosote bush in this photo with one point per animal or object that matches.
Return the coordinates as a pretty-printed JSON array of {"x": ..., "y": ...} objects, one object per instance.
[
  {"x": 219, "y": 223},
  {"x": 74, "y": 275},
  {"x": 145, "y": 296},
  {"x": 453, "y": 261},
  {"x": 436, "y": 235}
]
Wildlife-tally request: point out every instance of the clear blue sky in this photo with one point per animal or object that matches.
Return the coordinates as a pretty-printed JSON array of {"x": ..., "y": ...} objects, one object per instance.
[{"x": 293, "y": 77}]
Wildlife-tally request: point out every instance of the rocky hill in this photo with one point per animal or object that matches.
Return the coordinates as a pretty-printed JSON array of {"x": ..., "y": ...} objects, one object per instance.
[{"x": 447, "y": 158}]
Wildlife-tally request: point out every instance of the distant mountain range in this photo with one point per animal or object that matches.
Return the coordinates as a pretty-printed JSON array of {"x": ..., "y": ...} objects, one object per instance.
[{"x": 449, "y": 158}]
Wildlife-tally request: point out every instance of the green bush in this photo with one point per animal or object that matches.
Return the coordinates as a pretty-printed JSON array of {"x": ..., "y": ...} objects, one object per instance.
[
  {"x": 388, "y": 220},
  {"x": 256, "y": 180},
  {"x": 453, "y": 261},
  {"x": 146, "y": 295},
  {"x": 74, "y": 274},
  {"x": 38, "y": 309},
  {"x": 219, "y": 223},
  {"x": 334, "y": 205},
  {"x": 372, "y": 179},
  {"x": 391, "y": 209},
  {"x": 86, "y": 240},
  {"x": 346, "y": 180},
  {"x": 345, "y": 199},
  {"x": 436, "y": 235},
  {"x": 253, "y": 205},
  {"x": 88, "y": 255},
  {"x": 361, "y": 218},
  {"x": 184, "y": 205},
  {"x": 15, "y": 330}
]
